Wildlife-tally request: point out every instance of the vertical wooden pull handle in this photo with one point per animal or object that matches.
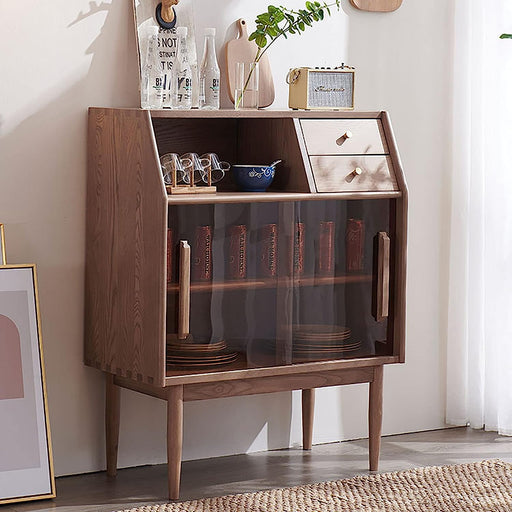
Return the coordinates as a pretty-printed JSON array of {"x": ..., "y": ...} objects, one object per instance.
[
  {"x": 184, "y": 291},
  {"x": 384, "y": 245}
]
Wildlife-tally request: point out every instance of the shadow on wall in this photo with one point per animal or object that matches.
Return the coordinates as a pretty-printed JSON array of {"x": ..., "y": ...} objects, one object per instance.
[{"x": 43, "y": 205}]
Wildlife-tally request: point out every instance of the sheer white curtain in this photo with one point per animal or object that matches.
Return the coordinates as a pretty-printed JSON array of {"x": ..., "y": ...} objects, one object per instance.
[{"x": 479, "y": 380}]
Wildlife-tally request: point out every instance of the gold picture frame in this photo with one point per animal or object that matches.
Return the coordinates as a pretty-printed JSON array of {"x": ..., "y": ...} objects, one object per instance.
[
  {"x": 26, "y": 474},
  {"x": 3, "y": 257}
]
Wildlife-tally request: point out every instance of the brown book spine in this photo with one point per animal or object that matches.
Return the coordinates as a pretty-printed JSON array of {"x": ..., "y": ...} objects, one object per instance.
[
  {"x": 237, "y": 263},
  {"x": 268, "y": 265},
  {"x": 355, "y": 245},
  {"x": 326, "y": 248},
  {"x": 169, "y": 255},
  {"x": 298, "y": 249},
  {"x": 202, "y": 254}
]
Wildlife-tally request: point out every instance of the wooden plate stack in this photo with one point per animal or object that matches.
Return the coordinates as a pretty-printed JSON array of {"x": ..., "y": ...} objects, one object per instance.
[
  {"x": 199, "y": 355},
  {"x": 318, "y": 341}
]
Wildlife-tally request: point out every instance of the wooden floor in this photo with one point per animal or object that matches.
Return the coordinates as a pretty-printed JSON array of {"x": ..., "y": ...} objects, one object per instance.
[{"x": 246, "y": 473}]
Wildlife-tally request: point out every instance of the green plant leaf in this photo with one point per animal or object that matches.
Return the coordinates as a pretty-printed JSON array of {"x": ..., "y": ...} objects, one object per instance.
[
  {"x": 261, "y": 41},
  {"x": 506, "y": 36},
  {"x": 269, "y": 24}
]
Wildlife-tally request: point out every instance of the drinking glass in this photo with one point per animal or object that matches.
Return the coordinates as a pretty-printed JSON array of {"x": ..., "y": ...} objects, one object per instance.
[
  {"x": 216, "y": 167},
  {"x": 173, "y": 168},
  {"x": 193, "y": 164}
]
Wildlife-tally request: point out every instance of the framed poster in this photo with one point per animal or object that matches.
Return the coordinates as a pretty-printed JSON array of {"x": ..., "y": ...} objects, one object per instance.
[
  {"x": 3, "y": 259},
  {"x": 26, "y": 465}
]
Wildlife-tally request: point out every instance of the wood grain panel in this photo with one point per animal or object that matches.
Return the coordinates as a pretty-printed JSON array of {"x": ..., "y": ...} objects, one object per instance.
[
  {"x": 125, "y": 248},
  {"x": 400, "y": 274},
  {"x": 277, "y": 383},
  {"x": 175, "y": 377},
  {"x": 259, "y": 114},
  {"x": 353, "y": 173},
  {"x": 197, "y": 136},
  {"x": 344, "y": 137},
  {"x": 262, "y": 141},
  {"x": 272, "y": 197}
]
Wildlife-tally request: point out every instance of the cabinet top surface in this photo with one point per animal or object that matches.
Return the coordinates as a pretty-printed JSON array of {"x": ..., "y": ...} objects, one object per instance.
[{"x": 260, "y": 113}]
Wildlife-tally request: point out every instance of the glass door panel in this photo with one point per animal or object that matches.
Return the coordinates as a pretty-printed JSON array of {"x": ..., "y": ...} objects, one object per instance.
[
  {"x": 279, "y": 283},
  {"x": 341, "y": 291},
  {"x": 234, "y": 286}
]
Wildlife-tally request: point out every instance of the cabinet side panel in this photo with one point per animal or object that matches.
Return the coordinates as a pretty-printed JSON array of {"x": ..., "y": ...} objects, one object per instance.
[
  {"x": 401, "y": 242},
  {"x": 125, "y": 248}
]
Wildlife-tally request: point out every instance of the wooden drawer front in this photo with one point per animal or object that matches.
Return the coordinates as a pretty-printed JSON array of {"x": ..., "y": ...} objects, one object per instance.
[
  {"x": 328, "y": 136},
  {"x": 338, "y": 173}
]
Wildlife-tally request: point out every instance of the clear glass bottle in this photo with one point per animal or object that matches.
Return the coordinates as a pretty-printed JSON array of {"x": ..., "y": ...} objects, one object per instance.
[
  {"x": 181, "y": 73},
  {"x": 209, "y": 75},
  {"x": 152, "y": 76}
]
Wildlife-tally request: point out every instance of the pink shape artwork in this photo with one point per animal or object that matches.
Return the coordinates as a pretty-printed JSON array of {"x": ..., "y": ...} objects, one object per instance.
[{"x": 11, "y": 372}]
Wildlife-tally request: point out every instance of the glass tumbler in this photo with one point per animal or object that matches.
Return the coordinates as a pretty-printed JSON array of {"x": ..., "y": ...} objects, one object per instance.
[
  {"x": 173, "y": 168},
  {"x": 216, "y": 167},
  {"x": 194, "y": 165}
]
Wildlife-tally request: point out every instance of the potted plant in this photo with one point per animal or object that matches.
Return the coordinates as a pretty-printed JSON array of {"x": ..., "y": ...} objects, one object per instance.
[{"x": 281, "y": 21}]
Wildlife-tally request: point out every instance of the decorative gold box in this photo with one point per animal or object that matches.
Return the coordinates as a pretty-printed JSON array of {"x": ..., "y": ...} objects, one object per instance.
[{"x": 321, "y": 88}]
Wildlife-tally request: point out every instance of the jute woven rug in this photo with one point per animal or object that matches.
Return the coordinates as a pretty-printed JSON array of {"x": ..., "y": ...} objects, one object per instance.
[{"x": 477, "y": 487}]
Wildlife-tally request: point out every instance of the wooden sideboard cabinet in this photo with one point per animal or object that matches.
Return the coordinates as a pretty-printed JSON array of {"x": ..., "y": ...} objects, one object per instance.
[{"x": 192, "y": 297}]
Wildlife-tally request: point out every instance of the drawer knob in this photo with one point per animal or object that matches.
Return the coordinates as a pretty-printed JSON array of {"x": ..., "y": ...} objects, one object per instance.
[
  {"x": 354, "y": 174},
  {"x": 344, "y": 137}
]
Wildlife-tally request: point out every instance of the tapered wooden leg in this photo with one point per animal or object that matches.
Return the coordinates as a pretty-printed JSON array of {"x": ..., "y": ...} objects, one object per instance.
[
  {"x": 112, "y": 413},
  {"x": 174, "y": 439},
  {"x": 375, "y": 417},
  {"x": 308, "y": 414}
]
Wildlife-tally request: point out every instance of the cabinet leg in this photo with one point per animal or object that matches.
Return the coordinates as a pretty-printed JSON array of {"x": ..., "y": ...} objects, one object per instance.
[
  {"x": 112, "y": 413},
  {"x": 308, "y": 413},
  {"x": 375, "y": 417},
  {"x": 174, "y": 439}
]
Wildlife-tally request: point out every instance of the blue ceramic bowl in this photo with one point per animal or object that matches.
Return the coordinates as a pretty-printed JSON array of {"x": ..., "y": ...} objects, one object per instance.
[{"x": 253, "y": 178}]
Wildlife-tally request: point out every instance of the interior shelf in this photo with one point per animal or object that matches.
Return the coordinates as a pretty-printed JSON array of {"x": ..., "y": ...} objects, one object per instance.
[
  {"x": 270, "y": 197},
  {"x": 239, "y": 369},
  {"x": 272, "y": 283}
]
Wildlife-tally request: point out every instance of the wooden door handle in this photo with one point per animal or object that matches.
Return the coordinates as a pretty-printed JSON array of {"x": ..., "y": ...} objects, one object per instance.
[
  {"x": 383, "y": 260},
  {"x": 184, "y": 291}
]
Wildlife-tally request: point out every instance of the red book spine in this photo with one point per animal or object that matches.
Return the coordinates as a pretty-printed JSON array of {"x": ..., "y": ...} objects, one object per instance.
[
  {"x": 237, "y": 263},
  {"x": 298, "y": 249},
  {"x": 326, "y": 249},
  {"x": 269, "y": 251},
  {"x": 202, "y": 254},
  {"x": 169, "y": 255},
  {"x": 355, "y": 245}
]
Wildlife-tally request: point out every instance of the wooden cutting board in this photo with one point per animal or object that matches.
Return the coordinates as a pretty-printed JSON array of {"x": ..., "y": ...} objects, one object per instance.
[
  {"x": 377, "y": 5},
  {"x": 243, "y": 50}
]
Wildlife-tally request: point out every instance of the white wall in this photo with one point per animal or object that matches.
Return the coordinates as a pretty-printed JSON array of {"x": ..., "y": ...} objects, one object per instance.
[{"x": 58, "y": 58}]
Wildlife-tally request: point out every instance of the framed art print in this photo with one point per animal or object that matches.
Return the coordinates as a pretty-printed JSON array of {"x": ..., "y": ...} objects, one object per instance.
[
  {"x": 3, "y": 259},
  {"x": 26, "y": 466}
]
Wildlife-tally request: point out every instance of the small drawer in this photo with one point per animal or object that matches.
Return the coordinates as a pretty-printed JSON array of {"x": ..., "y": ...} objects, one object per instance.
[
  {"x": 353, "y": 173},
  {"x": 344, "y": 136}
]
